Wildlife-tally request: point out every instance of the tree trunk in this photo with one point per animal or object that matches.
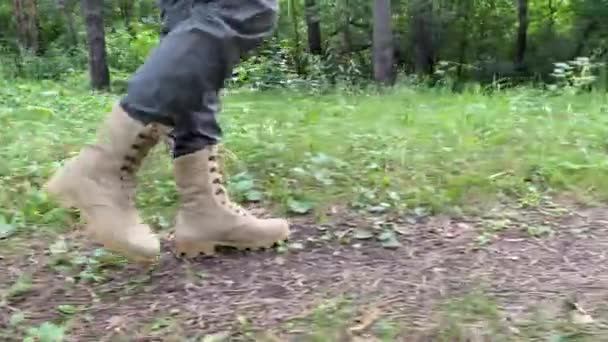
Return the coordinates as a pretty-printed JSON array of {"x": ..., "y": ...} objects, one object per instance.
[
  {"x": 126, "y": 11},
  {"x": 464, "y": 11},
  {"x": 346, "y": 15},
  {"x": 522, "y": 33},
  {"x": 98, "y": 66},
  {"x": 26, "y": 15},
  {"x": 552, "y": 14},
  {"x": 298, "y": 60},
  {"x": 66, "y": 7},
  {"x": 383, "y": 43},
  {"x": 589, "y": 29},
  {"x": 422, "y": 36},
  {"x": 313, "y": 23}
]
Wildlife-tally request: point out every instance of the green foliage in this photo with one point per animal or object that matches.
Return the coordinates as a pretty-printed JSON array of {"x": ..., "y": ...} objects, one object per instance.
[
  {"x": 46, "y": 332},
  {"x": 127, "y": 52},
  {"x": 409, "y": 149},
  {"x": 480, "y": 34}
]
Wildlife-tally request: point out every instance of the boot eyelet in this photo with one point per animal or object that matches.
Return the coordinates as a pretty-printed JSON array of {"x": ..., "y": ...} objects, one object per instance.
[
  {"x": 131, "y": 159},
  {"x": 213, "y": 169},
  {"x": 217, "y": 181},
  {"x": 219, "y": 191},
  {"x": 136, "y": 146}
]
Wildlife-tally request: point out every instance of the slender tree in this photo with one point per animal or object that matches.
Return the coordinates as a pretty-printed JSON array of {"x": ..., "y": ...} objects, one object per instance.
[
  {"x": 383, "y": 43},
  {"x": 422, "y": 40},
  {"x": 98, "y": 66},
  {"x": 522, "y": 33},
  {"x": 26, "y": 16},
  {"x": 66, "y": 7},
  {"x": 313, "y": 24}
]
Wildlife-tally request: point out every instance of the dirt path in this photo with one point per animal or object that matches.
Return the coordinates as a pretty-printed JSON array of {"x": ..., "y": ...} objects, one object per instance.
[{"x": 99, "y": 298}]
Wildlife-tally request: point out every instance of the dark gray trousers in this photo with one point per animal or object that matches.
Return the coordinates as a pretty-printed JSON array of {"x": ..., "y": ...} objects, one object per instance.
[{"x": 179, "y": 83}]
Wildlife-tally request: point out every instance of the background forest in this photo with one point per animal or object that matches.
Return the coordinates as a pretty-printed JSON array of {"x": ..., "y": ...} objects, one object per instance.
[
  {"x": 443, "y": 163},
  {"x": 484, "y": 41}
]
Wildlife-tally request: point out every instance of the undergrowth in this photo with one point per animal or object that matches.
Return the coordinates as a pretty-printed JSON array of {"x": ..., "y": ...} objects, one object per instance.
[{"x": 407, "y": 149}]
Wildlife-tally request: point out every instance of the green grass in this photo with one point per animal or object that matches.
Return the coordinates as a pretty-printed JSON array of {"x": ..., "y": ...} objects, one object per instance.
[{"x": 407, "y": 149}]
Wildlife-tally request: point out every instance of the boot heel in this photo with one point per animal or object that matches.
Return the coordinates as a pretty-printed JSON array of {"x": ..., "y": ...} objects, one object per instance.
[{"x": 192, "y": 250}]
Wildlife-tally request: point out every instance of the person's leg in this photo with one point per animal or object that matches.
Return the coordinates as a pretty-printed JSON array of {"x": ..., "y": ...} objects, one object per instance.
[
  {"x": 177, "y": 86},
  {"x": 206, "y": 217},
  {"x": 100, "y": 181},
  {"x": 208, "y": 46}
]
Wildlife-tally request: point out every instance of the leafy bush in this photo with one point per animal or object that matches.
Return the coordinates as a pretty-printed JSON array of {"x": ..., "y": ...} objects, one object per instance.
[{"x": 126, "y": 52}]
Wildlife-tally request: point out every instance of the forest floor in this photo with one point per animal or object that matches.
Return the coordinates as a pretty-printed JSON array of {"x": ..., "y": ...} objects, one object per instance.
[
  {"x": 450, "y": 217},
  {"x": 441, "y": 283}
]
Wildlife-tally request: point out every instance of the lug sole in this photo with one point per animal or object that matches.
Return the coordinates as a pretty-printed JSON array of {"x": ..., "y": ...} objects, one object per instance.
[{"x": 190, "y": 249}]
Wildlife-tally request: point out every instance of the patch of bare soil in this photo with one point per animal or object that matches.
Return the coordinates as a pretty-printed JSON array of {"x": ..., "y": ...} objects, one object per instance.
[{"x": 521, "y": 257}]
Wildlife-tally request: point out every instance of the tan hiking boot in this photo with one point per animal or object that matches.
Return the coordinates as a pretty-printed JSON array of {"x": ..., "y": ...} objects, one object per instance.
[
  {"x": 207, "y": 218},
  {"x": 101, "y": 183}
]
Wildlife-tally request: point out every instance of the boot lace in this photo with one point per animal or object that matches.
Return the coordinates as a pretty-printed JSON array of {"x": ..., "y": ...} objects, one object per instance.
[{"x": 218, "y": 184}]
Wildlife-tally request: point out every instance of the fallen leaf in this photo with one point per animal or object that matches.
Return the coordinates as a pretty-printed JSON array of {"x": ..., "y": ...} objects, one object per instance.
[
  {"x": 67, "y": 309},
  {"x": 377, "y": 209},
  {"x": 17, "y": 318},
  {"x": 365, "y": 322},
  {"x": 388, "y": 239},
  {"x": 59, "y": 247},
  {"x": 299, "y": 206},
  {"x": 401, "y": 230},
  {"x": 6, "y": 229},
  {"x": 363, "y": 234},
  {"x": 115, "y": 323},
  {"x": 296, "y": 246},
  {"x": 219, "y": 337},
  {"x": 254, "y": 196},
  {"x": 578, "y": 315},
  {"x": 580, "y": 318}
]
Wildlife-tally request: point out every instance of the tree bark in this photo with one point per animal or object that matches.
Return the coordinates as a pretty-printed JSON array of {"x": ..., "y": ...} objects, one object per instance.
[
  {"x": 66, "y": 7},
  {"x": 26, "y": 15},
  {"x": 522, "y": 33},
  {"x": 589, "y": 29},
  {"x": 346, "y": 15},
  {"x": 463, "y": 46},
  {"x": 98, "y": 67},
  {"x": 552, "y": 14},
  {"x": 313, "y": 24},
  {"x": 422, "y": 36},
  {"x": 298, "y": 60},
  {"x": 126, "y": 11},
  {"x": 383, "y": 43}
]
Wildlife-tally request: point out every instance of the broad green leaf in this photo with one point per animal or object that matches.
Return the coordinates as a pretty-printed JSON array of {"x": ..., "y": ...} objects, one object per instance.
[
  {"x": 388, "y": 239},
  {"x": 59, "y": 247},
  {"x": 17, "y": 318},
  {"x": 254, "y": 195},
  {"x": 6, "y": 229},
  {"x": 299, "y": 206}
]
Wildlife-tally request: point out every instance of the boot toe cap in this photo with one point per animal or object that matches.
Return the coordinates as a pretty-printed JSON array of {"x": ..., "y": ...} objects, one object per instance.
[{"x": 140, "y": 243}]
